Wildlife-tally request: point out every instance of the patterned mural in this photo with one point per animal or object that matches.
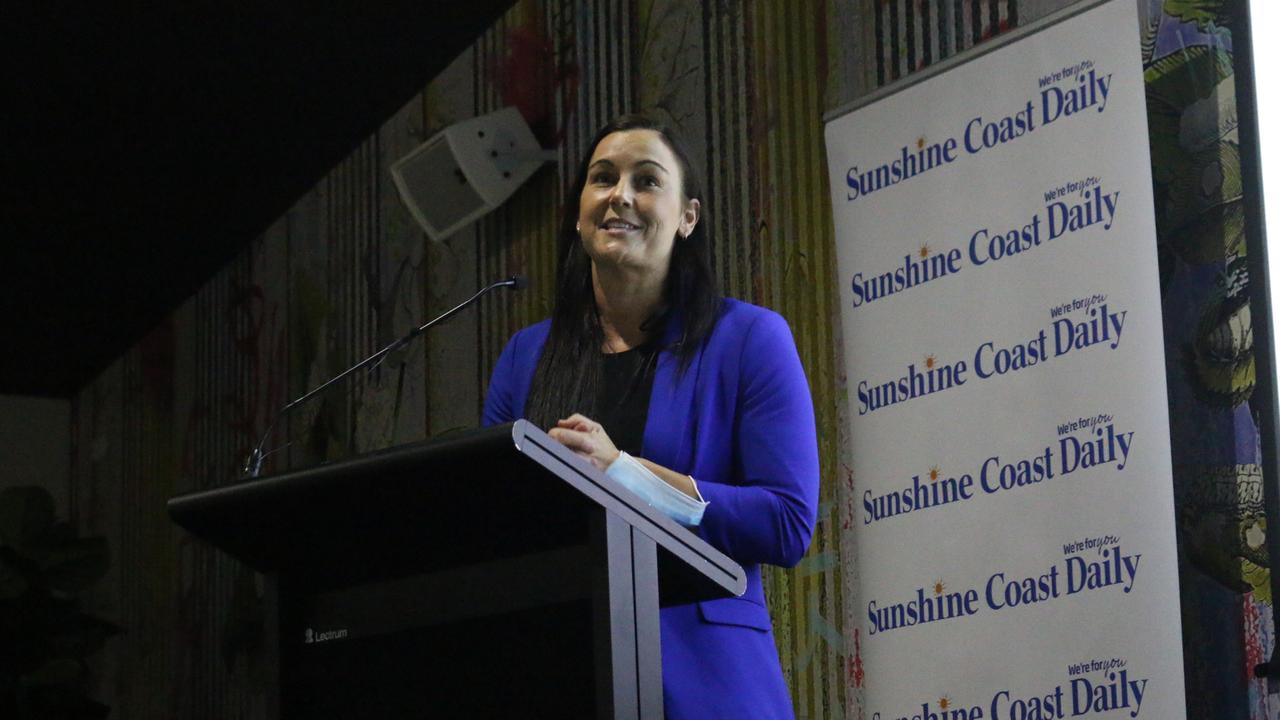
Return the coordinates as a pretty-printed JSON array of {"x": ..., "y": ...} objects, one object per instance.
[
  {"x": 346, "y": 271},
  {"x": 1224, "y": 567}
]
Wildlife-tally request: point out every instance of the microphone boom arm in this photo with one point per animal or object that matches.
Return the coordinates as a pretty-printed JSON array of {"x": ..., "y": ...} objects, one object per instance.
[{"x": 253, "y": 464}]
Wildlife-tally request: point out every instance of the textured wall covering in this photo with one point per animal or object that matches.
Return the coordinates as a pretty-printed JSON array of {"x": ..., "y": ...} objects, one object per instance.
[{"x": 345, "y": 271}]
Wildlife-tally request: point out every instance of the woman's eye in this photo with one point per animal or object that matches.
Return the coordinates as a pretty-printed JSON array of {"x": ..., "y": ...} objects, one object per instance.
[
  {"x": 649, "y": 181},
  {"x": 602, "y": 179}
]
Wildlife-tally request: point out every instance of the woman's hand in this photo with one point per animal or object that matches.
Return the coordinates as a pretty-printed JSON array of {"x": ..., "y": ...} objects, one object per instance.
[{"x": 587, "y": 439}]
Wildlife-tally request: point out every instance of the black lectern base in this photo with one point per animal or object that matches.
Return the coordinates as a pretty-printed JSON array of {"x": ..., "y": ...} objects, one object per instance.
[
  {"x": 528, "y": 664},
  {"x": 384, "y": 601}
]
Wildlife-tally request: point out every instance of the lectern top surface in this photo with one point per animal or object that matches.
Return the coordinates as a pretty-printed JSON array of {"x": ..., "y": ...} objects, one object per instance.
[{"x": 473, "y": 497}]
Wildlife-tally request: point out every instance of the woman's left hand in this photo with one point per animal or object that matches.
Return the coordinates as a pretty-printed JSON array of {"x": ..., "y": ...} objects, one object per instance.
[{"x": 587, "y": 439}]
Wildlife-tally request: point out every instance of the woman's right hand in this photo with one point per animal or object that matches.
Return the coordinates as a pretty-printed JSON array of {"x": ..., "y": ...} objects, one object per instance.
[{"x": 587, "y": 438}]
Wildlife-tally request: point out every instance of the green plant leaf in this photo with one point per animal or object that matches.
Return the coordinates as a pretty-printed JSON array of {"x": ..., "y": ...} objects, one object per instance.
[
  {"x": 60, "y": 672},
  {"x": 45, "y": 703},
  {"x": 12, "y": 584},
  {"x": 28, "y": 624},
  {"x": 25, "y": 513},
  {"x": 43, "y": 567},
  {"x": 74, "y": 566},
  {"x": 57, "y": 533},
  {"x": 80, "y": 635}
]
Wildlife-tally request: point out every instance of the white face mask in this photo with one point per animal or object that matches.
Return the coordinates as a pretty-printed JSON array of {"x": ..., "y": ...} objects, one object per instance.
[{"x": 637, "y": 478}]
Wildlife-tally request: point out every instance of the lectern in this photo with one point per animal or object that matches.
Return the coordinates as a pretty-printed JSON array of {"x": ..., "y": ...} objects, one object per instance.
[{"x": 488, "y": 574}]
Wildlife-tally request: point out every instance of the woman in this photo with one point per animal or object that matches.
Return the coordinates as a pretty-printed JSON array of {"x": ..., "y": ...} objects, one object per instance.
[{"x": 643, "y": 363}]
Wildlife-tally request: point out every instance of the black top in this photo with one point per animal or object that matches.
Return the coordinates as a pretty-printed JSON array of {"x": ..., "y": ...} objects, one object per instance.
[{"x": 622, "y": 401}]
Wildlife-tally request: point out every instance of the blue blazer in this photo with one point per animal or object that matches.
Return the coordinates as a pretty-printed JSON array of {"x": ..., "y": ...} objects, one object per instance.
[{"x": 740, "y": 421}]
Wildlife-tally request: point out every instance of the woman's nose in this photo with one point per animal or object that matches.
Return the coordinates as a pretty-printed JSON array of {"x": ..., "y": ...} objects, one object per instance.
[{"x": 621, "y": 195}]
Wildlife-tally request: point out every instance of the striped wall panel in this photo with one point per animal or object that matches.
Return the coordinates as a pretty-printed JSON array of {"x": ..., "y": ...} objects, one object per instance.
[
  {"x": 790, "y": 268},
  {"x": 911, "y": 34},
  {"x": 351, "y": 272},
  {"x": 586, "y": 81}
]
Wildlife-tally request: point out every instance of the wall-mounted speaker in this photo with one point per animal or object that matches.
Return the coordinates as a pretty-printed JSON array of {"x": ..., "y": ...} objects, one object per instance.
[{"x": 466, "y": 170}]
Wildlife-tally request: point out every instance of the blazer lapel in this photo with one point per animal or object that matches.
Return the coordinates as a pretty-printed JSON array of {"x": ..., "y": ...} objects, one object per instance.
[{"x": 669, "y": 430}]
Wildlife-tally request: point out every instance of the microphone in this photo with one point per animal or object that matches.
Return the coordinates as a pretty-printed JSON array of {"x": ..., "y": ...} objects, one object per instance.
[{"x": 253, "y": 464}]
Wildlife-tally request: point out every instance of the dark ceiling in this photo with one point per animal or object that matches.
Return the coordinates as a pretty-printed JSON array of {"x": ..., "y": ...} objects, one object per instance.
[{"x": 143, "y": 147}]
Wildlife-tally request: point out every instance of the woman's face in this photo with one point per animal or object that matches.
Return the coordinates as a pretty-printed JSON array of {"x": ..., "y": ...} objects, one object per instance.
[{"x": 633, "y": 205}]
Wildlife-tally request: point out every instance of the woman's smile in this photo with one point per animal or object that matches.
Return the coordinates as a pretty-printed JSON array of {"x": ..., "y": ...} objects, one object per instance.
[{"x": 619, "y": 227}]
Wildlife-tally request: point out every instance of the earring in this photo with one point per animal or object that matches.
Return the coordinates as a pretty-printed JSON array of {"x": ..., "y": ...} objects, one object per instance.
[{"x": 578, "y": 227}]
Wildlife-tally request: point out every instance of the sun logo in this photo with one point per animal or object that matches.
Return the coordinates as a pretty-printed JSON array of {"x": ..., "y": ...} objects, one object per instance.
[
  {"x": 920, "y": 143},
  {"x": 924, "y": 251},
  {"x": 934, "y": 472},
  {"x": 930, "y": 361},
  {"x": 944, "y": 702},
  {"x": 939, "y": 587}
]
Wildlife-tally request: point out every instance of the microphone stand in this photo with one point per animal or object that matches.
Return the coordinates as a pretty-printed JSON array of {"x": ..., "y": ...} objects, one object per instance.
[{"x": 253, "y": 464}]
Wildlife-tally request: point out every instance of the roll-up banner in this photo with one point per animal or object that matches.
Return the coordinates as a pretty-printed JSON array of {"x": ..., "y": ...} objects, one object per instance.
[{"x": 1004, "y": 354}]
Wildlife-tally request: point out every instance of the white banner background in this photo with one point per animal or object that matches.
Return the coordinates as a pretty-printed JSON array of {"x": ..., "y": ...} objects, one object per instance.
[{"x": 1033, "y": 616}]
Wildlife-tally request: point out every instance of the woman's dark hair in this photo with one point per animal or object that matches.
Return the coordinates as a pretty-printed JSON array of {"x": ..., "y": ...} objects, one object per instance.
[{"x": 569, "y": 370}]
